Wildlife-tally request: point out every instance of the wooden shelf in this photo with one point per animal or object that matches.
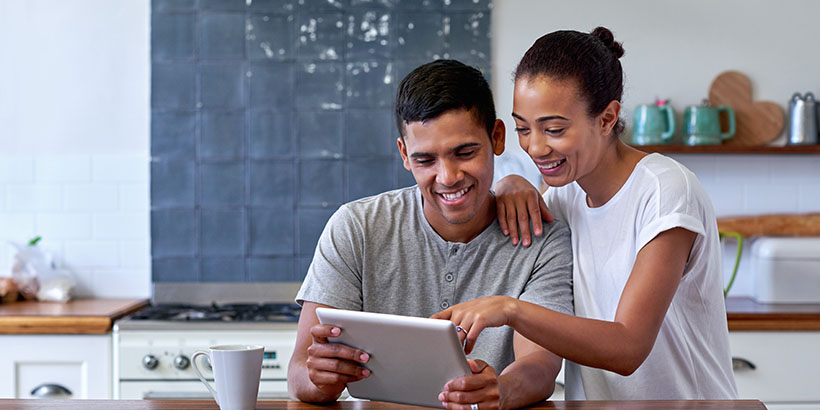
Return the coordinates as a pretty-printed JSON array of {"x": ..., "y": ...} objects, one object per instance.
[{"x": 724, "y": 149}]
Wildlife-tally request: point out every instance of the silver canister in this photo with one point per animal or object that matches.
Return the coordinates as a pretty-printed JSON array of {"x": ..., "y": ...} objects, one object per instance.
[{"x": 802, "y": 120}]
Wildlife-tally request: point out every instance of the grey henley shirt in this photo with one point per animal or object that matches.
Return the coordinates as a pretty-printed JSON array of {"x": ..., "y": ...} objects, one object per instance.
[{"x": 379, "y": 254}]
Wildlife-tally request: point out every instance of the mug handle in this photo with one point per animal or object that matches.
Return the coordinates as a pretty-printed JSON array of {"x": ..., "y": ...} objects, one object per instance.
[
  {"x": 199, "y": 374},
  {"x": 731, "y": 113},
  {"x": 670, "y": 122}
]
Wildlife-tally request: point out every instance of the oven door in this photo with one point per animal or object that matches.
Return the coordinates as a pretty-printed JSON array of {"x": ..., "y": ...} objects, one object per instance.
[{"x": 192, "y": 390}]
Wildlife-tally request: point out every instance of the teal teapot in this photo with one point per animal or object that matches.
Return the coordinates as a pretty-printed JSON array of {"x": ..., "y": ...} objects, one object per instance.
[{"x": 702, "y": 125}]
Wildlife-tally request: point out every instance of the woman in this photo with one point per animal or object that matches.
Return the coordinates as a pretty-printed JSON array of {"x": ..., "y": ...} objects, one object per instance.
[{"x": 651, "y": 320}]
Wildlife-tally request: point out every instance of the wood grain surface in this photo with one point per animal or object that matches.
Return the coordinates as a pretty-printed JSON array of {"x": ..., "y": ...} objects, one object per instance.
[
  {"x": 743, "y": 313},
  {"x": 7, "y": 404},
  {"x": 758, "y": 122},
  {"x": 81, "y": 316},
  {"x": 772, "y": 225}
]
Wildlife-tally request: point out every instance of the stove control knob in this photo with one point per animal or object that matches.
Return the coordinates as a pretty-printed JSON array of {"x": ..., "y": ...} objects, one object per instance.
[
  {"x": 182, "y": 362},
  {"x": 150, "y": 362}
]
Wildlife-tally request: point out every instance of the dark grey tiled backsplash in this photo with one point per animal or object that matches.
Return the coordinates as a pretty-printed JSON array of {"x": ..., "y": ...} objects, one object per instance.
[{"x": 268, "y": 115}]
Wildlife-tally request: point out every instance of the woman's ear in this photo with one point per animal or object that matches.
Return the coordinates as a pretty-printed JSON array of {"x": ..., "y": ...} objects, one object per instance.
[
  {"x": 498, "y": 137},
  {"x": 609, "y": 117}
]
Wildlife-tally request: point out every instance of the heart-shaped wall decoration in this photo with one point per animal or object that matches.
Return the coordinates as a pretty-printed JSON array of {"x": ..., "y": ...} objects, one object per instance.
[{"x": 758, "y": 122}]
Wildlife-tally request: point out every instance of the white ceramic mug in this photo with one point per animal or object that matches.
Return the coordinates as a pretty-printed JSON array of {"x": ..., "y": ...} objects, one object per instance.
[{"x": 237, "y": 370}]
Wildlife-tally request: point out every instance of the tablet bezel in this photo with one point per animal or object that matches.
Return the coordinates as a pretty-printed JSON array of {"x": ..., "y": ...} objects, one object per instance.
[{"x": 411, "y": 358}]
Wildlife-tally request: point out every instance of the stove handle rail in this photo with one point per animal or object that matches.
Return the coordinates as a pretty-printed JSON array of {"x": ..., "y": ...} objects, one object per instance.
[{"x": 51, "y": 391}]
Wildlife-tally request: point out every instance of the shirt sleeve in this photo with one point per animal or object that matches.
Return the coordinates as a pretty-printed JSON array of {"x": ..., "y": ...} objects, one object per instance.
[
  {"x": 334, "y": 277},
  {"x": 550, "y": 284},
  {"x": 555, "y": 197},
  {"x": 676, "y": 204}
]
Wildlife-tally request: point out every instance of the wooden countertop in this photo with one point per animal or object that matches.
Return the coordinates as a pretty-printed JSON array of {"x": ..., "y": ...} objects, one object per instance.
[
  {"x": 33, "y": 404},
  {"x": 81, "y": 316},
  {"x": 96, "y": 316},
  {"x": 747, "y": 314}
]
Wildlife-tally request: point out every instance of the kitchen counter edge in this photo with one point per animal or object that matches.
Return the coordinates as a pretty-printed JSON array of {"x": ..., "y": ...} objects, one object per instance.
[
  {"x": 31, "y": 404},
  {"x": 745, "y": 314},
  {"x": 76, "y": 317}
]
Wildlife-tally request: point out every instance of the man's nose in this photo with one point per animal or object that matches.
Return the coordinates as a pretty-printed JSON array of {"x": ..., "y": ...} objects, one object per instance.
[{"x": 449, "y": 173}]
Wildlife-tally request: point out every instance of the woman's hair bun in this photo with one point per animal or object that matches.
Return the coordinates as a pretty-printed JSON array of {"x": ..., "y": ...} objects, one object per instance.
[{"x": 605, "y": 36}]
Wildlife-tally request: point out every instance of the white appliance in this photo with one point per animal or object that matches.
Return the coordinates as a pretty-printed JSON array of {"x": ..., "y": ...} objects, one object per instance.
[
  {"x": 786, "y": 269},
  {"x": 152, "y": 348}
]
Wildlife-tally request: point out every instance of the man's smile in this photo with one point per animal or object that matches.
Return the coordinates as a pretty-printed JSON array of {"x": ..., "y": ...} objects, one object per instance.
[{"x": 454, "y": 197}]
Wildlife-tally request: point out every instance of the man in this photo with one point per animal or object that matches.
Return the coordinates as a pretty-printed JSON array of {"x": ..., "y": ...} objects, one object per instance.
[{"x": 418, "y": 250}]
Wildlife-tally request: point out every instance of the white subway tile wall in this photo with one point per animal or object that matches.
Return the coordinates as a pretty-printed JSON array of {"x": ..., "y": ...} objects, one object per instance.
[
  {"x": 753, "y": 185},
  {"x": 758, "y": 184},
  {"x": 93, "y": 215}
]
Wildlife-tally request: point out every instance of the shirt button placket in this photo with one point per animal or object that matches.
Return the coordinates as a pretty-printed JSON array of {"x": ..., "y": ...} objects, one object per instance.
[{"x": 448, "y": 287}]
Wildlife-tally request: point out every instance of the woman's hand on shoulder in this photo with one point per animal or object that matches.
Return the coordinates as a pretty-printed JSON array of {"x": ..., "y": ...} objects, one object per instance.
[{"x": 517, "y": 204}]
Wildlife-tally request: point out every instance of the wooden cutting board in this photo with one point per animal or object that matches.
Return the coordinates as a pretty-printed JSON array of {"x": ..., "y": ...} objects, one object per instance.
[
  {"x": 758, "y": 122},
  {"x": 772, "y": 225}
]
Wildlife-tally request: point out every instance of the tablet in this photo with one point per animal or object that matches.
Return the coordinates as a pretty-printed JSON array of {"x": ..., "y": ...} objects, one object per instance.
[{"x": 411, "y": 358}]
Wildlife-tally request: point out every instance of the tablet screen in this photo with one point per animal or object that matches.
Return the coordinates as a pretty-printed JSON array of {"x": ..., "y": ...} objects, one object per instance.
[{"x": 411, "y": 358}]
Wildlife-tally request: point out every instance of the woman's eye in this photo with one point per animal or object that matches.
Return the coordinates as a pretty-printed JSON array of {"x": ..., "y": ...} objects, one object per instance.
[
  {"x": 554, "y": 131},
  {"x": 522, "y": 130}
]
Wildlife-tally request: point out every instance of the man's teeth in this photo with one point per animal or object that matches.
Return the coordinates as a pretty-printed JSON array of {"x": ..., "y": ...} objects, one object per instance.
[
  {"x": 457, "y": 195},
  {"x": 551, "y": 165}
]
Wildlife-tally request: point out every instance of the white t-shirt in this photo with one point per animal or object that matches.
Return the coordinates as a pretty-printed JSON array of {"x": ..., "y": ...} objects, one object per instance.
[{"x": 691, "y": 357}]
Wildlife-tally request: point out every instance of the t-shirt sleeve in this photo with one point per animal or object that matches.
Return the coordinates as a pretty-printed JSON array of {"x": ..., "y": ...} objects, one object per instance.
[
  {"x": 677, "y": 203},
  {"x": 554, "y": 199},
  {"x": 334, "y": 276},
  {"x": 550, "y": 284}
]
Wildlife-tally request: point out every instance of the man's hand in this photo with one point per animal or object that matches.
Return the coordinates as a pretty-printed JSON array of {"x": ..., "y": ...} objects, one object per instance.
[
  {"x": 332, "y": 365},
  {"x": 517, "y": 204},
  {"x": 480, "y": 388}
]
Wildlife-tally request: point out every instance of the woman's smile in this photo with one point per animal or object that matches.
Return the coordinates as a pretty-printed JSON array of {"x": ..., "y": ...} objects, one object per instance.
[{"x": 550, "y": 168}]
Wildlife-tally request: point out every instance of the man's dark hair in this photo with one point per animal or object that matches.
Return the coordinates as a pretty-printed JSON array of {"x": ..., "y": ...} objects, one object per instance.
[{"x": 434, "y": 88}]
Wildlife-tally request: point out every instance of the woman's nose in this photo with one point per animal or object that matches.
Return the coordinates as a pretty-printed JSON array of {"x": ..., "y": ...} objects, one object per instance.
[{"x": 538, "y": 146}]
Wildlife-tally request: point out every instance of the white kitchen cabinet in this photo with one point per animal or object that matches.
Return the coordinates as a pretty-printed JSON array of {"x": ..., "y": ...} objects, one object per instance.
[
  {"x": 779, "y": 368},
  {"x": 79, "y": 363}
]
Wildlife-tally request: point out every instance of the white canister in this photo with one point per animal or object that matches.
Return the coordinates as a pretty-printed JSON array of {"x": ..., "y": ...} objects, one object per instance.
[{"x": 786, "y": 269}]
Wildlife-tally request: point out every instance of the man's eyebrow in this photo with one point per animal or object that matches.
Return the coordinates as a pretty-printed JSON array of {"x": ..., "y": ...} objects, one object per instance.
[
  {"x": 456, "y": 149},
  {"x": 542, "y": 119},
  {"x": 462, "y": 146}
]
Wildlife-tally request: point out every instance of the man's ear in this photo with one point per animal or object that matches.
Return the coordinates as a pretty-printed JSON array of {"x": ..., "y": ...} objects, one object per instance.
[
  {"x": 609, "y": 117},
  {"x": 403, "y": 152},
  {"x": 498, "y": 137}
]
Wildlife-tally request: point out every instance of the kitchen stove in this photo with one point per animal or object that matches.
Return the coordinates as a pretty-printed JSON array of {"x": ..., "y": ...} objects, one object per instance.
[
  {"x": 153, "y": 347},
  {"x": 232, "y": 312}
]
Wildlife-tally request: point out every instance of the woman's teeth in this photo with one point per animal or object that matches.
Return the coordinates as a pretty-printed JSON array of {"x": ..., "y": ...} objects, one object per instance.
[
  {"x": 454, "y": 196},
  {"x": 551, "y": 165}
]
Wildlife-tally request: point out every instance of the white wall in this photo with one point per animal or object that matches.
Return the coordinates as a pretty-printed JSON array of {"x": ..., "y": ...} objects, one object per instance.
[
  {"x": 74, "y": 135},
  {"x": 75, "y": 111},
  {"x": 674, "y": 49}
]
